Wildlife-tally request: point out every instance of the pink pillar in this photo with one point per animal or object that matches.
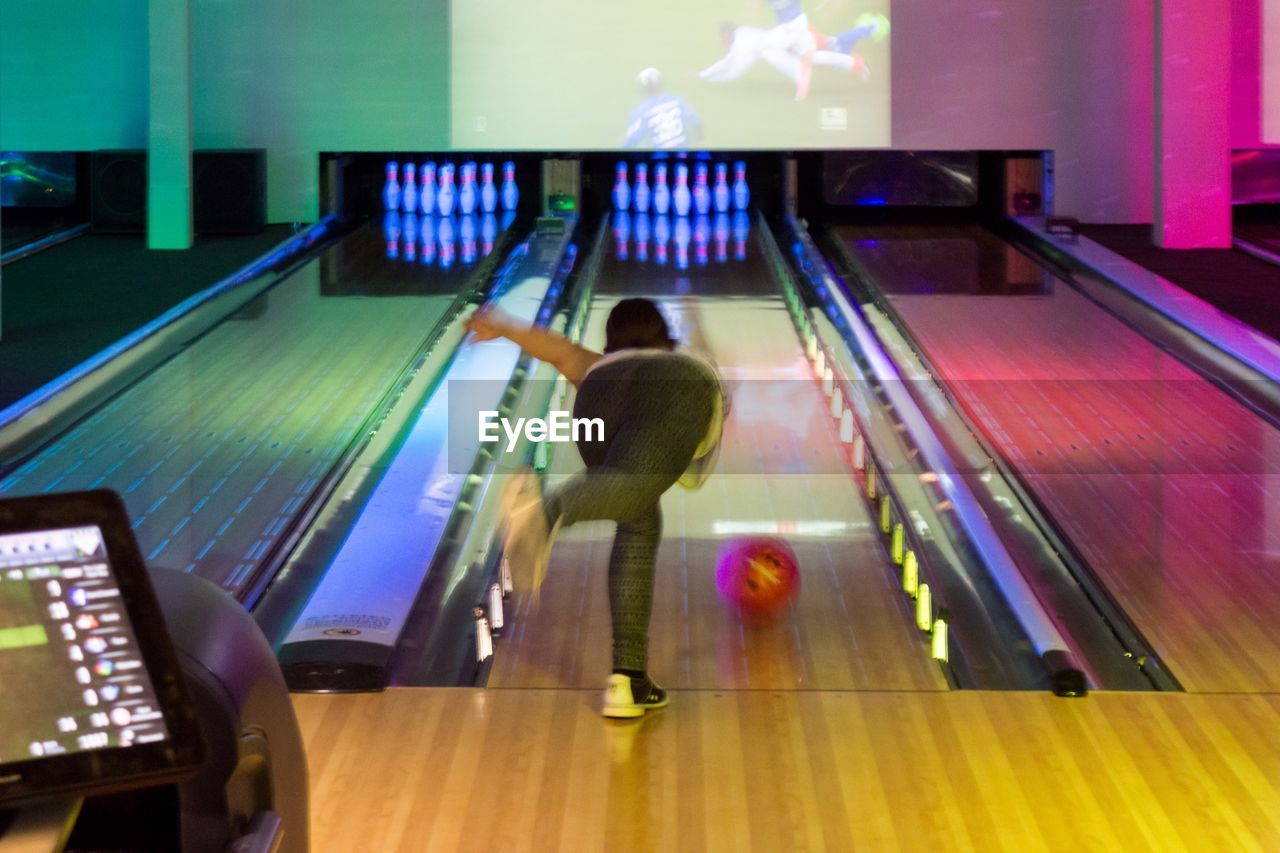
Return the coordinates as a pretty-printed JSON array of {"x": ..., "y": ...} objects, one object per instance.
[{"x": 1193, "y": 124}]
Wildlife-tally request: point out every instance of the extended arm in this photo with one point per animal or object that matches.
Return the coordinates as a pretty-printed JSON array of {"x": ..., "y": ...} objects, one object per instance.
[
  {"x": 561, "y": 353},
  {"x": 722, "y": 70}
]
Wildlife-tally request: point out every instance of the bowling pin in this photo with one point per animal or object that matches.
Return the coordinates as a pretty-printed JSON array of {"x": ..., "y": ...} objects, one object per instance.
[
  {"x": 661, "y": 193},
  {"x": 681, "y": 194},
  {"x": 445, "y": 194},
  {"x": 467, "y": 236},
  {"x": 445, "y": 236},
  {"x": 621, "y": 190},
  {"x": 621, "y": 233},
  {"x": 391, "y": 189},
  {"x": 721, "y": 192},
  {"x": 467, "y": 195},
  {"x": 510, "y": 192},
  {"x": 661, "y": 235},
  {"x": 741, "y": 228},
  {"x": 682, "y": 234},
  {"x": 741, "y": 193},
  {"x": 427, "y": 234},
  {"x": 701, "y": 239},
  {"x": 488, "y": 233},
  {"x": 721, "y": 232},
  {"x": 640, "y": 196},
  {"x": 701, "y": 192},
  {"x": 409, "y": 192},
  {"x": 391, "y": 225},
  {"x": 488, "y": 192},
  {"x": 411, "y": 237},
  {"x": 427, "y": 188},
  {"x": 642, "y": 237}
]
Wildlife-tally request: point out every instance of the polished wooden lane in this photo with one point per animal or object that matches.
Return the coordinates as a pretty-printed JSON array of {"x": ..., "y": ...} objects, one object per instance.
[
  {"x": 780, "y": 473},
  {"x": 529, "y": 769}
]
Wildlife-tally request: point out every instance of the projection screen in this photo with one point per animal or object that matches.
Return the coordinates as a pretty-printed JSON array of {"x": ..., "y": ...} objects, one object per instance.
[{"x": 707, "y": 74}]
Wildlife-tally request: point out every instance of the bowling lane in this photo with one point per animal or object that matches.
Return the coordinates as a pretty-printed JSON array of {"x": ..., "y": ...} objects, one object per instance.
[
  {"x": 1168, "y": 488},
  {"x": 217, "y": 450},
  {"x": 778, "y": 474}
]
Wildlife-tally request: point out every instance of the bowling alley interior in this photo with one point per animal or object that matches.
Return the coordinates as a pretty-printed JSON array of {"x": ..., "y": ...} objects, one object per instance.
[{"x": 340, "y": 345}]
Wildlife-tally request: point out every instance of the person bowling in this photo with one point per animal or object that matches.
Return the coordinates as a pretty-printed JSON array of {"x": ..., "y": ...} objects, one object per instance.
[{"x": 663, "y": 411}]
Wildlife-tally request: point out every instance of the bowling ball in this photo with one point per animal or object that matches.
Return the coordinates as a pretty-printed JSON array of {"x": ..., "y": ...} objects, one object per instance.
[{"x": 758, "y": 576}]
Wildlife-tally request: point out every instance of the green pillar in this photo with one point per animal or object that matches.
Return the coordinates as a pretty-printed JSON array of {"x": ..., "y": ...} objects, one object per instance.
[{"x": 169, "y": 125}]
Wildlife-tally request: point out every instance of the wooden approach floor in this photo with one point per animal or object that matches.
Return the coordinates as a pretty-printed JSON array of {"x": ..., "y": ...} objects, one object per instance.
[{"x": 533, "y": 769}]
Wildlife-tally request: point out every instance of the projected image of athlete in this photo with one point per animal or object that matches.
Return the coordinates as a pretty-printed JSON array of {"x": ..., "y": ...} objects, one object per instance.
[
  {"x": 662, "y": 120},
  {"x": 869, "y": 25},
  {"x": 748, "y": 45},
  {"x": 778, "y": 47},
  {"x": 792, "y": 35}
]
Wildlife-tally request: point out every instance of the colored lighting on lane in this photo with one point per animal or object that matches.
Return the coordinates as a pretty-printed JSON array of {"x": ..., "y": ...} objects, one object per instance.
[
  {"x": 924, "y": 608},
  {"x": 939, "y": 646},
  {"x": 910, "y": 574}
]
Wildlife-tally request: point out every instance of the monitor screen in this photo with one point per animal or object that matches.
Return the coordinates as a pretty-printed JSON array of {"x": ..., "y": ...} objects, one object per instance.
[
  {"x": 73, "y": 675},
  {"x": 727, "y": 74},
  {"x": 92, "y": 697}
]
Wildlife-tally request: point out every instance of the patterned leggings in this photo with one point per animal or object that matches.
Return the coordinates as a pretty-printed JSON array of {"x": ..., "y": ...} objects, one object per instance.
[{"x": 656, "y": 408}]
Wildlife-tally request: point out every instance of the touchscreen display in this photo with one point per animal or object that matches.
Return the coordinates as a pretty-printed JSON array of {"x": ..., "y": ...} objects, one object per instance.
[{"x": 72, "y": 677}]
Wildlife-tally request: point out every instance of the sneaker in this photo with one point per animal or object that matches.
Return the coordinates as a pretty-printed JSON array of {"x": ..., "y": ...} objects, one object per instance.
[
  {"x": 627, "y": 698},
  {"x": 528, "y": 539}
]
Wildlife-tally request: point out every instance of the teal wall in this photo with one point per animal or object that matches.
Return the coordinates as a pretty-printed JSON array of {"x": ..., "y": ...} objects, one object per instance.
[
  {"x": 281, "y": 75},
  {"x": 73, "y": 74},
  {"x": 284, "y": 75}
]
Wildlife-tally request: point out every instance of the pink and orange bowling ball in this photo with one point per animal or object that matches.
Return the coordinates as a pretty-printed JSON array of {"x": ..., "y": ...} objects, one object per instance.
[{"x": 757, "y": 575}]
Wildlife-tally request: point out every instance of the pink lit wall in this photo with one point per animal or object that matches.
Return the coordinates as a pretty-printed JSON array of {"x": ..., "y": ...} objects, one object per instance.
[
  {"x": 1269, "y": 44},
  {"x": 1075, "y": 76},
  {"x": 1192, "y": 125},
  {"x": 1255, "y": 73}
]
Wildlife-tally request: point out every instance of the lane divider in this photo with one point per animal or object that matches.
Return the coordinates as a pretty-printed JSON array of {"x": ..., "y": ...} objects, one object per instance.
[
  {"x": 887, "y": 396},
  {"x": 928, "y": 619}
]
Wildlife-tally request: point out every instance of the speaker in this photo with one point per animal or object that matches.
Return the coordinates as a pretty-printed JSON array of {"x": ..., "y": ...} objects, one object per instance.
[
  {"x": 229, "y": 189},
  {"x": 118, "y": 185}
]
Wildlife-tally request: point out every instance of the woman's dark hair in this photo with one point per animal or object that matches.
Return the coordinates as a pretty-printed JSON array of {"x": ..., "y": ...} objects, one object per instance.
[{"x": 636, "y": 324}]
